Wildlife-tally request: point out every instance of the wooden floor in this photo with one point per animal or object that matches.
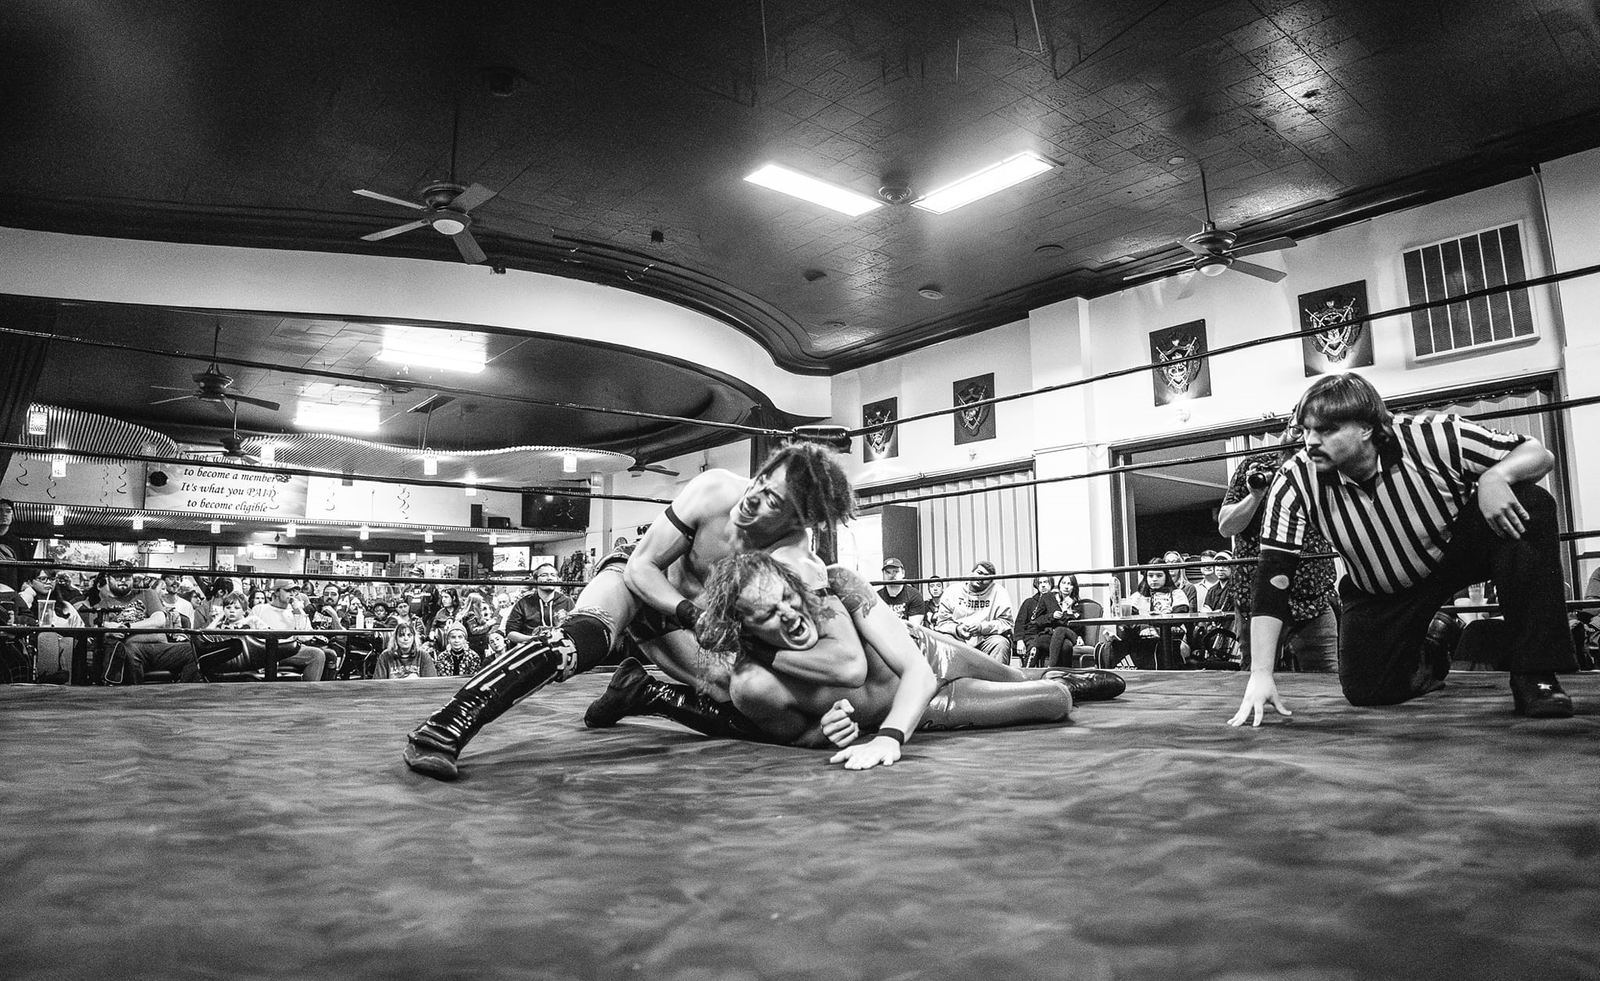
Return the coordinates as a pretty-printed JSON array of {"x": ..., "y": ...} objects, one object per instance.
[{"x": 270, "y": 831}]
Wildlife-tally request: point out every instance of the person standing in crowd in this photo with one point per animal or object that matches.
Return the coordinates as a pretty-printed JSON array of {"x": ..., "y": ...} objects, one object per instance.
[
  {"x": 544, "y": 607},
  {"x": 1419, "y": 507},
  {"x": 979, "y": 612},
  {"x": 13, "y": 548},
  {"x": 1310, "y": 634},
  {"x": 905, "y": 601}
]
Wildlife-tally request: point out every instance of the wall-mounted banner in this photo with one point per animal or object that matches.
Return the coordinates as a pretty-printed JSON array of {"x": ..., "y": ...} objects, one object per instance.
[
  {"x": 1175, "y": 380},
  {"x": 974, "y": 422},
  {"x": 208, "y": 489},
  {"x": 1340, "y": 344},
  {"x": 881, "y": 441}
]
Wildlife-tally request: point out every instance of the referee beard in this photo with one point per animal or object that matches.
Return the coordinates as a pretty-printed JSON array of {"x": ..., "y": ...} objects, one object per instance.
[{"x": 1504, "y": 532}]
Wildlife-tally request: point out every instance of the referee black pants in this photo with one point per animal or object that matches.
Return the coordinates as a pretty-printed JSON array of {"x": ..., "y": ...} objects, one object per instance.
[{"x": 1381, "y": 634}]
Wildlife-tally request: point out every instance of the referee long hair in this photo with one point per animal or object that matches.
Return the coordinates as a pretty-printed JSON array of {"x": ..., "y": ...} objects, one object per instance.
[{"x": 1346, "y": 397}]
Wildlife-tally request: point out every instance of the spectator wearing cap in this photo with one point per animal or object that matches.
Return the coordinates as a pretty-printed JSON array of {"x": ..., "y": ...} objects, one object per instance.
[
  {"x": 907, "y": 602},
  {"x": 118, "y": 602},
  {"x": 980, "y": 612},
  {"x": 1212, "y": 591}
]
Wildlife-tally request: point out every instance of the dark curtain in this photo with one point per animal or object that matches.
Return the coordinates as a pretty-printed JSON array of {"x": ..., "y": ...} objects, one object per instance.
[{"x": 21, "y": 364}]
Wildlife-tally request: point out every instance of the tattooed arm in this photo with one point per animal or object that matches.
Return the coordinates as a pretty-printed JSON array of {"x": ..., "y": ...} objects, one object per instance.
[{"x": 887, "y": 636}]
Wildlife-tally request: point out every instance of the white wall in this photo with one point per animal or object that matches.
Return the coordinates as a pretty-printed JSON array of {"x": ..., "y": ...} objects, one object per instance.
[{"x": 1072, "y": 431}]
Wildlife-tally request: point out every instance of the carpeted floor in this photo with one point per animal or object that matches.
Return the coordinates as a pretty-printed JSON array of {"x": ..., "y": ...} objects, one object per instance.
[{"x": 255, "y": 831}]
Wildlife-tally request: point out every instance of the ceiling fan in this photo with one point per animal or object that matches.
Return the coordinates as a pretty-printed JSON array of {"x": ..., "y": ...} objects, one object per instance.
[
  {"x": 639, "y": 468},
  {"x": 232, "y": 445},
  {"x": 214, "y": 384},
  {"x": 1216, "y": 250},
  {"x": 445, "y": 206}
]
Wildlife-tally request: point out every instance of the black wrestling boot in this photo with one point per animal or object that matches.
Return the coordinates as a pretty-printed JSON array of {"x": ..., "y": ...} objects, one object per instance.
[
  {"x": 433, "y": 747},
  {"x": 634, "y": 692},
  {"x": 1090, "y": 684},
  {"x": 1539, "y": 696}
]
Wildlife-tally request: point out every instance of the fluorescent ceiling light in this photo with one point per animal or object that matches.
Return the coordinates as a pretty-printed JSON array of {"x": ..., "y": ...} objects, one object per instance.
[
  {"x": 346, "y": 417},
  {"x": 448, "y": 350},
  {"x": 798, "y": 185},
  {"x": 989, "y": 180}
]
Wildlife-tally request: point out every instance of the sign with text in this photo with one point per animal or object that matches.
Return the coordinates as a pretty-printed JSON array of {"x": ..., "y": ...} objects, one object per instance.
[{"x": 208, "y": 489}]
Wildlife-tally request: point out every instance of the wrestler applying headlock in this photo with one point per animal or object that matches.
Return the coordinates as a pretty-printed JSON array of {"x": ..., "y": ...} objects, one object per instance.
[
  {"x": 758, "y": 607},
  {"x": 649, "y": 597}
]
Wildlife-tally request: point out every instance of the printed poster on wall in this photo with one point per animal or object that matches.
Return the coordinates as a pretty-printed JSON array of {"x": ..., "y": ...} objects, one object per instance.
[
  {"x": 208, "y": 489},
  {"x": 881, "y": 441},
  {"x": 1342, "y": 341},
  {"x": 974, "y": 422},
  {"x": 1182, "y": 371}
]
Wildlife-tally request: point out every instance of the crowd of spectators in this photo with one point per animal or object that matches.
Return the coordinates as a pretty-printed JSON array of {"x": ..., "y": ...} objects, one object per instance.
[{"x": 169, "y": 625}]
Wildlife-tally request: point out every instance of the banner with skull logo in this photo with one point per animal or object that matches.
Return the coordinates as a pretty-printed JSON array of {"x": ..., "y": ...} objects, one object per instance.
[
  {"x": 1343, "y": 340},
  {"x": 881, "y": 441},
  {"x": 974, "y": 422},
  {"x": 1182, "y": 372}
]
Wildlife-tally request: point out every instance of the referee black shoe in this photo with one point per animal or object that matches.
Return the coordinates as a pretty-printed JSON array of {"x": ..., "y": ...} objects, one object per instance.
[{"x": 1539, "y": 696}]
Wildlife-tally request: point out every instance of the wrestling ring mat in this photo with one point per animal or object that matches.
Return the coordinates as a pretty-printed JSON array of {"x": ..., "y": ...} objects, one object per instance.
[{"x": 271, "y": 831}]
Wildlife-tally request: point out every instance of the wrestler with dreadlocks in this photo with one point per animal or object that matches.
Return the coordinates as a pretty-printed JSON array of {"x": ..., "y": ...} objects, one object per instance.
[{"x": 648, "y": 598}]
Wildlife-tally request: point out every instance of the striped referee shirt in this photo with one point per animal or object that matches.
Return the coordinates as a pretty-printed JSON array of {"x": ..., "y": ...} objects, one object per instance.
[{"x": 1393, "y": 535}]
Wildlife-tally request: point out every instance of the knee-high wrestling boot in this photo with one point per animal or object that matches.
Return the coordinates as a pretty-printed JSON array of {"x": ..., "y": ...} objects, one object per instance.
[
  {"x": 579, "y": 644},
  {"x": 634, "y": 692}
]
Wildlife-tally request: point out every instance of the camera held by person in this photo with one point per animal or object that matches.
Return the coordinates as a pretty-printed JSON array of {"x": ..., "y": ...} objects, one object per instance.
[{"x": 1259, "y": 477}]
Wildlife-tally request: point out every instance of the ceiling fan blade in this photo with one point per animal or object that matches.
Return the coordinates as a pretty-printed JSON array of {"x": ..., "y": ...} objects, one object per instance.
[
  {"x": 1185, "y": 264},
  {"x": 396, "y": 230},
  {"x": 251, "y": 400},
  {"x": 1270, "y": 245},
  {"x": 402, "y": 202},
  {"x": 1197, "y": 250},
  {"x": 468, "y": 246},
  {"x": 472, "y": 197},
  {"x": 1259, "y": 272},
  {"x": 653, "y": 468},
  {"x": 172, "y": 388},
  {"x": 180, "y": 398}
]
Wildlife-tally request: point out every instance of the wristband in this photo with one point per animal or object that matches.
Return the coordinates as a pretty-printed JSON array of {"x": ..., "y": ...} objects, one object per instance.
[
  {"x": 687, "y": 614},
  {"x": 893, "y": 733}
]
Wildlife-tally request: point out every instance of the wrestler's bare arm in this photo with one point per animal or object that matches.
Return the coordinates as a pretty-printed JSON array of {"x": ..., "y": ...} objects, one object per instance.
[
  {"x": 915, "y": 682},
  {"x": 664, "y": 543}
]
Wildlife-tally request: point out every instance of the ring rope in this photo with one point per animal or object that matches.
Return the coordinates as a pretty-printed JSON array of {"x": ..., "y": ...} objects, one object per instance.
[{"x": 1240, "y": 346}]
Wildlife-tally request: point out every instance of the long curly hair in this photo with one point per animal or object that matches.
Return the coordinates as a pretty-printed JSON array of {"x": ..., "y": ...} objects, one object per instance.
[
  {"x": 817, "y": 482},
  {"x": 721, "y": 627}
]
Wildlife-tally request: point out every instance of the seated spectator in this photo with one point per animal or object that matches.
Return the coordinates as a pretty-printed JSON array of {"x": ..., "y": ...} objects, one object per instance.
[
  {"x": 497, "y": 646},
  {"x": 449, "y": 612},
  {"x": 16, "y": 660},
  {"x": 138, "y": 651},
  {"x": 1213, "y": 594},
  {"x": 1180, "y": 577},
  {"x": 457, "y": 657},
  {"x": 979, "y": 612},
  {"x": 906, "y": 601},
  {"x": 281, "y": 612},
  {"x": 404, "y": 657},
  {"x": 53, "y": 652},
  {"x": 219, "y": 653},
  {"x": 933, "y": 593},
  {"x": 546, "y": 606},
  {"x": 502, "y": 608},
  {"x": 1037, "y": 618},
  {"x": 1065, "y": 634},
  {"x": 1157, "y": 596},
  {"x": 383, "y": 617},
  {"x": 478, "y": 618}
]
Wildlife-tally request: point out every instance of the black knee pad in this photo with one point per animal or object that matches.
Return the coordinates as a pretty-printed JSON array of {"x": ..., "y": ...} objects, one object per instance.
[{"x": 590, "y": 637}]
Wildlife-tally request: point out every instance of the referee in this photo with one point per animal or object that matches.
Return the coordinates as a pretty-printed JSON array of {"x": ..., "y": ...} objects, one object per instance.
[{"x": 1419, "y": 508}]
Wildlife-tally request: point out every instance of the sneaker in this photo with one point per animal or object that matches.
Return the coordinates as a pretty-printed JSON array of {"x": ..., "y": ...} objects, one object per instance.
[
  {"x": 1539, "y": 696},
  {"x": 625, "y": 695}
]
